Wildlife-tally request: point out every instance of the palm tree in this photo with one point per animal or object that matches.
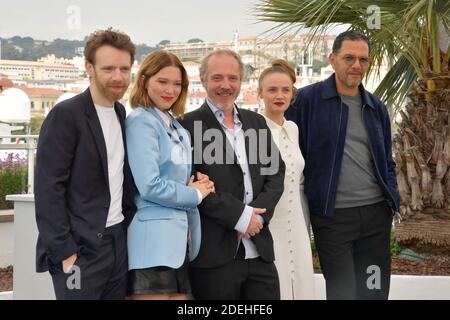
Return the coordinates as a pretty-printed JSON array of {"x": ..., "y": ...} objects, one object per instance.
[{"x": 412, "y": 35}]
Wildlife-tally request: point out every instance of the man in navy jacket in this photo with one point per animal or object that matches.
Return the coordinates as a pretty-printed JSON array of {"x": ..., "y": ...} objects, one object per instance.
[
  {"x": 84, "y": 189},
  {"x": 350, "y": 180}
]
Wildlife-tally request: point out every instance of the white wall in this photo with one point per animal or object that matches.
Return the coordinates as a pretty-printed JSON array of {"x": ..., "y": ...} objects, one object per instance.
[
  {"x": 405, "y": 287},
  {"x": 30, "y": 285},
  {"x": 6, "y": 295}
]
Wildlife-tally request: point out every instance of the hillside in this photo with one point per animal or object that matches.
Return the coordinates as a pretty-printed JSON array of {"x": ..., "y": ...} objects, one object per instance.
[{"x": 27, "y": 48}]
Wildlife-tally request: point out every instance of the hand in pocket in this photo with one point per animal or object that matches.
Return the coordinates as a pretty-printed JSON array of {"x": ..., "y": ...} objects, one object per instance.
[{"x": 69, "y": 262}]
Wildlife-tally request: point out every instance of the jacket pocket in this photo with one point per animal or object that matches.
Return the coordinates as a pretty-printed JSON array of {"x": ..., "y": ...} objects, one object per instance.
[{"x": 154, "y": 213}]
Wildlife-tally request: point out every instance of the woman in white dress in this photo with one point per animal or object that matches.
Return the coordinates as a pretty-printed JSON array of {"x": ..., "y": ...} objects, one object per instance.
[{"x": 289, "y": 229}]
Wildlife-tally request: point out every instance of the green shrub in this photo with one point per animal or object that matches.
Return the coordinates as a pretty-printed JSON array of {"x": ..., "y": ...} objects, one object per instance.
[
  {"x": 13, "y": 178},
  {"x": 395, "y": 247},
  {"x": 313, "y": 248}
]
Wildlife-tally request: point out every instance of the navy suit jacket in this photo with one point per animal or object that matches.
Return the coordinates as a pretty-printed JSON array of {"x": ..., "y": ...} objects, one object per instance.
[{"x": 72, "y": 195}]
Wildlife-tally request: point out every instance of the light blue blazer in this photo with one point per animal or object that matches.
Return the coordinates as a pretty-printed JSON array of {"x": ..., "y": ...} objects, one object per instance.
[{"x": 166, "y": 206}]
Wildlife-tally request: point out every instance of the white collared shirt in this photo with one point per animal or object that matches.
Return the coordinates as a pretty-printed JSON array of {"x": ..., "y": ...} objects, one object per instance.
[{"x": 236, "y": 138}]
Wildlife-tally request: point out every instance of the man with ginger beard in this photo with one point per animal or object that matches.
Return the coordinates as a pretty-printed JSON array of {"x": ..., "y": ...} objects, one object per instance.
[
  {"x": 236, "y": 257},
  {"x": 84, "y": 189}
]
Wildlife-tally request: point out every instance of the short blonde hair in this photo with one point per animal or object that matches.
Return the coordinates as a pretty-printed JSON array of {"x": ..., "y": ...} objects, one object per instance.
[
  {"x": 155, "y": 62},
  {"x": 204, "y": 64}
]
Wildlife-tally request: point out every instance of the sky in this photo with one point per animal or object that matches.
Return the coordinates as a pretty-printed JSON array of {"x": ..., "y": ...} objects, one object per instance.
[{"x": 146, "y": 21}]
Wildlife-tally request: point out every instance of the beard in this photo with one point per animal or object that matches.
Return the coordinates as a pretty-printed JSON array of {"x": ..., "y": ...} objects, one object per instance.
[
  {"x": 224, "y": 106},
  {"x": 111, "y": 94},
  {"x": 106, "y": 90},
  {"x": 351, "y": 81}
]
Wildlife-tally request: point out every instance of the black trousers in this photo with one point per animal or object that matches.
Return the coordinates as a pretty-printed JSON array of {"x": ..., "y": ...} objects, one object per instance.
[
  {"x": 103, "y": 277},
  {"x": 354, "y": 251},
  {"x": 240, "y": 279}
]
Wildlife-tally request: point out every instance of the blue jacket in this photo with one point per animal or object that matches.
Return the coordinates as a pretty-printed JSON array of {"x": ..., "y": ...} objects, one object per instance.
[
  {"x": 166, "y": 206},
  {"x": 322, "y": 120}
]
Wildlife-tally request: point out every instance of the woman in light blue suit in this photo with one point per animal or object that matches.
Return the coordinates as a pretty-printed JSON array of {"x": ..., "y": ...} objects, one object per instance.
[{"x": 165, "y": 232}]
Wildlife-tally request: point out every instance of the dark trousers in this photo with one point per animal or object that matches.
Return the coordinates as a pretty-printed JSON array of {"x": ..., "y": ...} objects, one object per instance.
[
  {"x": 240, "y": 279},
  {"x": 354, "y": 251},
  {"x": 103, "y": 277}
]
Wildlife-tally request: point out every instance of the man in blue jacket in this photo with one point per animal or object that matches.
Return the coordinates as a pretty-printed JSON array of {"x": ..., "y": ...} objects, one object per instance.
[{"x": 350, "y": 180}]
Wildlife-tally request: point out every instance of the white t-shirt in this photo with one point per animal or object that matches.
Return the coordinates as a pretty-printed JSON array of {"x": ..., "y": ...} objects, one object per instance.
[{"x": 112, "y": 132}]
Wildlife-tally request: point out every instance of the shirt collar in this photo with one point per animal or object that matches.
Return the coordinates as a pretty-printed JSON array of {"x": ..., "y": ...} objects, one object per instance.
[
  {"x": 218, "y": 113},
  {"x": 275, "y": 126},
  {"x": 166, "y": 117},
  {"x": 329, "y": 91}
]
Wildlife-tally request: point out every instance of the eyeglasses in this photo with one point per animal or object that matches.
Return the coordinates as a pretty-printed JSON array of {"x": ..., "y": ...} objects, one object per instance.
[{"x": 350, "y": 60}]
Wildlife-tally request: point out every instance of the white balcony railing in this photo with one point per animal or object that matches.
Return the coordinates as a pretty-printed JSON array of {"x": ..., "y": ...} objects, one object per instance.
[{"x": 27, "y": 144}]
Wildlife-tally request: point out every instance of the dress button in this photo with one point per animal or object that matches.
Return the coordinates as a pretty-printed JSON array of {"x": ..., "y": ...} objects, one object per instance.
[{"x": 99, "y": 235}]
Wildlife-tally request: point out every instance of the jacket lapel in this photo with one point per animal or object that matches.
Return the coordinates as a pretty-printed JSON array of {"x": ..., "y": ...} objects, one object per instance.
[
  {"x": 94, "y": 125},
  {"x": 186, "y": 143},
  {"x": 184, "y": 137},
  {"x": 165, "y": 126}
]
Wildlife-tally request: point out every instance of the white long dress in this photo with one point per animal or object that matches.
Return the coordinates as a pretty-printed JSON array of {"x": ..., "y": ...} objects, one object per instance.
[{"x": 292, "y": 246}]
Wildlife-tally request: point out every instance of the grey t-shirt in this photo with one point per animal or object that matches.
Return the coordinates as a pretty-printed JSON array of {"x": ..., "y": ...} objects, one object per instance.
[{"x": 357, "y": 185}]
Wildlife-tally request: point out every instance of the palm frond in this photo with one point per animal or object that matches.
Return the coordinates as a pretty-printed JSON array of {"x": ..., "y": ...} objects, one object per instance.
[
  {"x": 396, "y": 83},
  {"x": 409, "y": 33}
]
